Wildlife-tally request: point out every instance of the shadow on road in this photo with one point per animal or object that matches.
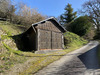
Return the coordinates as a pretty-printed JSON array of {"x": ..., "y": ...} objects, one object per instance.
[{"x": 90, "y": 58}]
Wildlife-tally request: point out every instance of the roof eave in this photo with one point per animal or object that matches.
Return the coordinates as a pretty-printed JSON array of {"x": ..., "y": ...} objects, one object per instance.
[{"x": 49, "y": 19}]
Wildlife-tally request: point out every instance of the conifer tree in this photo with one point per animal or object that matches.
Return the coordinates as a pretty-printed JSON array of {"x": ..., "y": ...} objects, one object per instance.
[{"x": 68, "y": 16}]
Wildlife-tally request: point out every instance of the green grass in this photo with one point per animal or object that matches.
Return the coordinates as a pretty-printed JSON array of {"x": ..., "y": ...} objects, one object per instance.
[
  {"x": 73, "y": 40},
  {"x": 9, "y": 57},
  {"x": 44, "y": 60},
  {"x": 10, "y": 28},
  {"x": 11, "y": 50}
]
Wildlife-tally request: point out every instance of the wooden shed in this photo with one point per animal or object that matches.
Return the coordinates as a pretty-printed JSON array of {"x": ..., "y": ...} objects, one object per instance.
[{"x": 45, "y": 35}]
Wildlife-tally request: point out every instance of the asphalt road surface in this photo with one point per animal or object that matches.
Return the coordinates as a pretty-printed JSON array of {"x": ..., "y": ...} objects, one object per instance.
[{"x": 83, "y": 61}]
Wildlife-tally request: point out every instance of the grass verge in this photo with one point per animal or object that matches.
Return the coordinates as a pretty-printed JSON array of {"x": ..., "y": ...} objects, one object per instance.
[{"x": 44, "y": 60}]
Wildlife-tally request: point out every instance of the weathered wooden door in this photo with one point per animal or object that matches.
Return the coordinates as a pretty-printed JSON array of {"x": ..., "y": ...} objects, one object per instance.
[
  {"x": 45, "y": 40},
  {"x": 49, "y": 40},
  {"x": 56, "y": 40}
]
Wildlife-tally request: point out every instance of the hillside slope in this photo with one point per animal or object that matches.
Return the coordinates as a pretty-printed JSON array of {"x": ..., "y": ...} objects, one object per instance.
[
  {"x": 16, "y": 62},
  {"x": 8, "y": 48}
]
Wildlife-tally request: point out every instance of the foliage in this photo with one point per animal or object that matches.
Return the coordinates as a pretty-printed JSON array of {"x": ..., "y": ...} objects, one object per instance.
[
  {"x": 4, "y": 7},
  {"x": 97, "y": 36},
  {"x": 90, "y": 35},
  {"x": 27, "y": 16},
  {"x": 92, "y": 9},
  {"x": 19, "y": 13},
  {"x": 80, "y": 26},
  {"x": 68, "y": 16},
  {"x": 7, "y": 9},
  {"x": 73, "y": 40}
]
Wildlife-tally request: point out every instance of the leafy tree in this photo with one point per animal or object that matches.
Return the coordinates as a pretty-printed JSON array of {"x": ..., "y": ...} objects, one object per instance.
[
  {"x": 4, "y": 6},
  {"x": 11, "y": 12},
  {"x": 27, "y": 16},
  {"x": 92, "y": 9},
  {"x": 81, "y": 25},
  {"x": 22, "y": 14},
  {"x": 68, "y": 16},
  {"x": 7, "y": 10}
]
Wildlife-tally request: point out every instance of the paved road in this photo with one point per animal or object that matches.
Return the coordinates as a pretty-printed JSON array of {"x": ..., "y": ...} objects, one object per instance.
[{"x": 78, "y": 62}]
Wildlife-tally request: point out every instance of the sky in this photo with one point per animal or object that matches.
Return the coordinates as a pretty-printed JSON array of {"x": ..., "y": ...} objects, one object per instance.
[{"x": 52, "y": 7}]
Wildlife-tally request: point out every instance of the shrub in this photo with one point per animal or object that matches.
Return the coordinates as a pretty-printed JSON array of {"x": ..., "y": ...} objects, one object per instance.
[
  {"x": 73, "y": 40},
  {"x": 81, "y": 26}
]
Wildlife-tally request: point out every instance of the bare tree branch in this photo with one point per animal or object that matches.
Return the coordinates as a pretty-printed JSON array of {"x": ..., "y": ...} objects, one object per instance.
[{"x": 92, "y": 9}]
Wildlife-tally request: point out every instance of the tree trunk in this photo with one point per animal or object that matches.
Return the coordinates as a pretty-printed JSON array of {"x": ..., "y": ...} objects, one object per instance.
[{"x": 98, "y": 28}]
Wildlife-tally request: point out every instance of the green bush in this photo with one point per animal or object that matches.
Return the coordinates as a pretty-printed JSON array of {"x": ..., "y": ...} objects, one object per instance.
[
  {"x": 80, "y": 26},
  {"x": 97, "y": 35},
  {"x": 73, "y": 40}
]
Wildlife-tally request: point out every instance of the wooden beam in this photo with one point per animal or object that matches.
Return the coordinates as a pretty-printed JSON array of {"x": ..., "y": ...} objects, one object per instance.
[
  {"x": 33, "y": 28},
  {"x": 38, "y": 34},
  {"x": 62, "y": 41}
]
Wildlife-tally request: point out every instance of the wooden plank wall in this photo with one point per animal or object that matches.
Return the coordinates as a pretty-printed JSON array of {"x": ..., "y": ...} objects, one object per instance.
[
  {"x": 49, "y": 36},
  {"x": 48, "y": 25}
]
